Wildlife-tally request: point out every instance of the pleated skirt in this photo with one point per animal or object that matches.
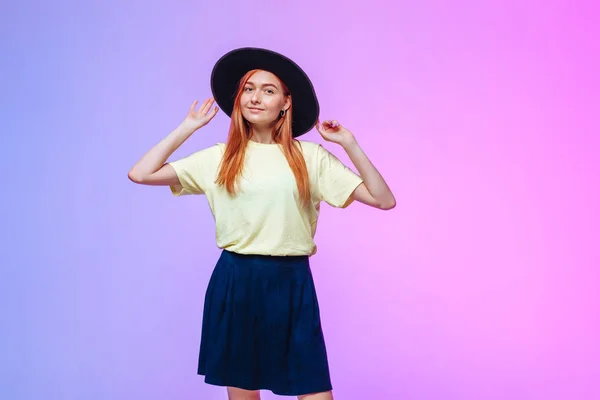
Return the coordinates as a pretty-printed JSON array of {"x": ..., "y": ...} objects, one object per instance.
[{"x": 261, "y": 327}]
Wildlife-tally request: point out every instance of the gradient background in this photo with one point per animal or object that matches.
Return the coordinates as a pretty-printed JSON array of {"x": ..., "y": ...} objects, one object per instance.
[{"x": 483, "y": 117}]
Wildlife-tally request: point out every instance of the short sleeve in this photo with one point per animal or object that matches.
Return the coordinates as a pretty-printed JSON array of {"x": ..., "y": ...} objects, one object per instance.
[
  {"x": 336, "y": 182},
  {"x": 195, "y": 172}
]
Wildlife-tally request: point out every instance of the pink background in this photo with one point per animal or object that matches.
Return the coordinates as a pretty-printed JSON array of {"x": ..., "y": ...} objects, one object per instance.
[{"x": 483, "y": 117}]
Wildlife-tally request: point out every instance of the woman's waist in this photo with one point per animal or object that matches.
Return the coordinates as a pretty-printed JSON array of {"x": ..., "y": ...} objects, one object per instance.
[{"x": 265, "y": 258}]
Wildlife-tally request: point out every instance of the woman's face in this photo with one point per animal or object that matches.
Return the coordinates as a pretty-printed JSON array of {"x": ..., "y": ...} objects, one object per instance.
[{"x": 262, "y": 99}]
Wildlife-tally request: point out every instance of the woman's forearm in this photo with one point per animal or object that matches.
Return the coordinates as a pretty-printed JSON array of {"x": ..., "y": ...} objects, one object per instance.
[
  {"x": 156, "y": 157},
  {"x": 373, "y": 180}
]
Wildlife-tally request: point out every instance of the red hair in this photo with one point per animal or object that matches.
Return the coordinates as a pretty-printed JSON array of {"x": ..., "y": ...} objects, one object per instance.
[{"x": 239, "y": 134}]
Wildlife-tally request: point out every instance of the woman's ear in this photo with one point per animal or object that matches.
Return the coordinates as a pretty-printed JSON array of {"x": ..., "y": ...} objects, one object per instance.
[{"x": 288, "y": 102}]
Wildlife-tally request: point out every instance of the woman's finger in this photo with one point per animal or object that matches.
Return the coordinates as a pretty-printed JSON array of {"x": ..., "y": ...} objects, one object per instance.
[{"x": 205, "y": 107}]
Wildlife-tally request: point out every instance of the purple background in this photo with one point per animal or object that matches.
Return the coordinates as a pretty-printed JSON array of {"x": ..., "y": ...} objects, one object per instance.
[{"x": 483, "y": 117}]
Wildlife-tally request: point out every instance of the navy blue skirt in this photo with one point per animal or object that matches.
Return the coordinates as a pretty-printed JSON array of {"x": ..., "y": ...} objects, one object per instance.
[{"x": 261, "y": 327}]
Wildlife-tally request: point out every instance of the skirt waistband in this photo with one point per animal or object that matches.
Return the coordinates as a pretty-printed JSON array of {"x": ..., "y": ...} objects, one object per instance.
[{"x": 264, "y": 259}]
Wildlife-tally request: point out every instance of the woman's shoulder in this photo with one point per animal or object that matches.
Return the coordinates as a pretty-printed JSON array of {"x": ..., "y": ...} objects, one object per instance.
[
  {"x": 310, "y": 147},
  {"x": 213, "y": 152},
  {"x": 216, "y": 149},
  {"x": 220, "y": 146}
]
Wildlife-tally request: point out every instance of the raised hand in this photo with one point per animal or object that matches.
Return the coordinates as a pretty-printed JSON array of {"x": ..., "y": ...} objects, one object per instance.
[
  {"x": 332, "y": 131},
  {"x": 204, "y": 114}
]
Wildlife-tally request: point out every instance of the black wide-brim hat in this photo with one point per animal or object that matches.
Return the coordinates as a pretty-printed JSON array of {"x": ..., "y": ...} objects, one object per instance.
[{"x": 230, "y": 68}]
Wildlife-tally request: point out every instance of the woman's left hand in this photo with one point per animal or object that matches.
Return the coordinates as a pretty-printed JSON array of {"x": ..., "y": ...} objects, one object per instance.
[{"x": 332, "y": 131}]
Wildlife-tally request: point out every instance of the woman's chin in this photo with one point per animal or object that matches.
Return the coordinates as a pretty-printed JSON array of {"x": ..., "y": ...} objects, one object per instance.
[{"x": 258, "y": 120}]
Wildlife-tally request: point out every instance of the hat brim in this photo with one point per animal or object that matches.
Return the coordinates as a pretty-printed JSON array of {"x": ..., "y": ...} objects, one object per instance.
[{"x": 230, "y": 68}]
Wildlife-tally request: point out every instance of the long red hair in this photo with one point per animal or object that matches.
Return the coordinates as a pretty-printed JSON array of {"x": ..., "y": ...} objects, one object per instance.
[{"x": 232, "y": 164}]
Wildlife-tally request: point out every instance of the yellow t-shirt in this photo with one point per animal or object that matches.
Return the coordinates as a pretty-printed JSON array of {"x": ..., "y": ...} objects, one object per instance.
[{"x": 265, "y": 216}]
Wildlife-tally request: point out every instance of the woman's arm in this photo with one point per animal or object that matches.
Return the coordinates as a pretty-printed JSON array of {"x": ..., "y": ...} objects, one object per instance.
[
  {"x": 374, "y": 191},
  {"x": 151, "y": 168}
]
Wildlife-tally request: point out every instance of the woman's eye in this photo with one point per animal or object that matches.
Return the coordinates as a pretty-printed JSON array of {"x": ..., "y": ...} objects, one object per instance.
[
  {"x": 270, "y": 91},
  {"x": 248, "y": 89}
]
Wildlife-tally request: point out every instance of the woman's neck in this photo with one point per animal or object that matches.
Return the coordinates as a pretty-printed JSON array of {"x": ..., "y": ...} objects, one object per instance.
[{"x": 264, "y": 136}]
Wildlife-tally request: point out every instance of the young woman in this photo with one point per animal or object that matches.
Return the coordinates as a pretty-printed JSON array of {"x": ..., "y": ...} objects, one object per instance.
[{"x": 261, "y": 327}]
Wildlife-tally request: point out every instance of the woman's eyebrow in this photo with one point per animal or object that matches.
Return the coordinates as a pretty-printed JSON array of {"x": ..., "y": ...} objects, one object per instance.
[{"x": 264, "y": 85}]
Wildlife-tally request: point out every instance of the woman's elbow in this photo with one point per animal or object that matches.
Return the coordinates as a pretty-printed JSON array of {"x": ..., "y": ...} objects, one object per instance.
[
  {"x": 134, "y": 176},
  {"x": 387, "y": 205}
]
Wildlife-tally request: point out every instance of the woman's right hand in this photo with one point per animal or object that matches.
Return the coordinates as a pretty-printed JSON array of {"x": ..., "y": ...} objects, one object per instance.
[{"x": 203, "y": 116}]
